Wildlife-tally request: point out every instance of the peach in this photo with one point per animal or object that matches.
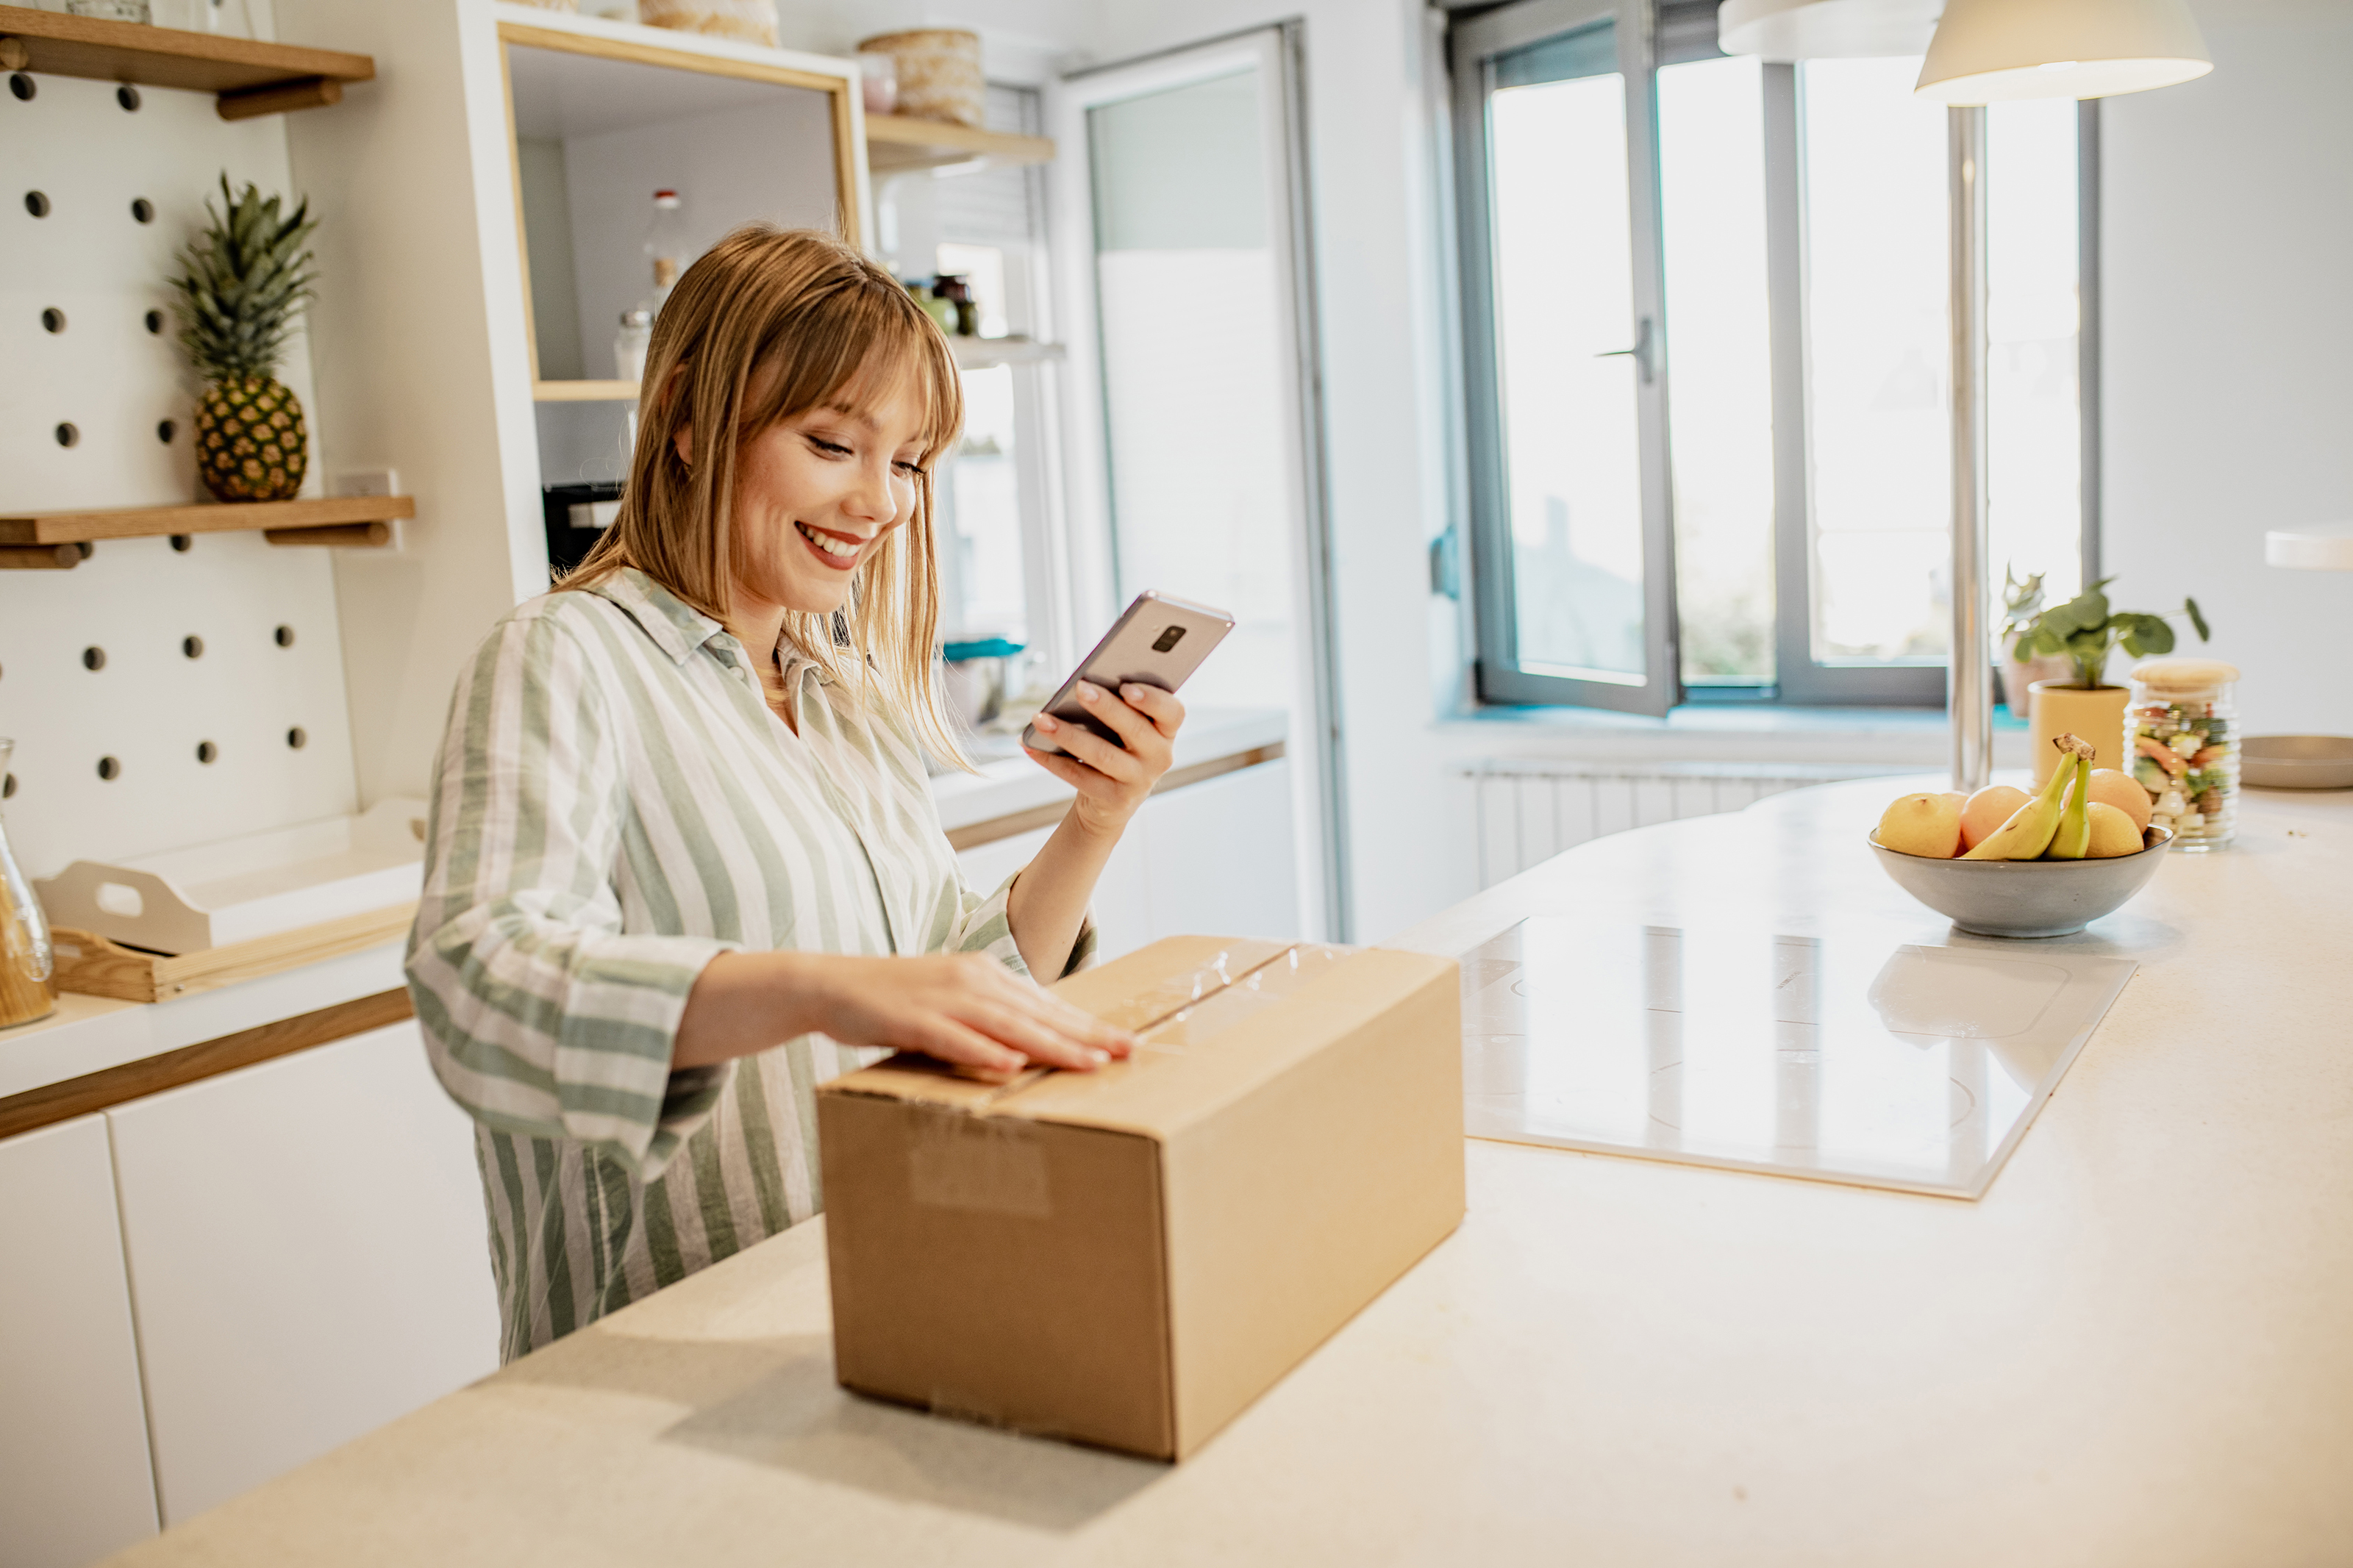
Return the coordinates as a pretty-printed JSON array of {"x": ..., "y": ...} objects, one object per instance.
[
  {"x": 1988, "y": 810},
  {"x": 2113, "y": 832},
  {"x": 1925, "y": 824},
  {"x": 2124, "y": 792}
]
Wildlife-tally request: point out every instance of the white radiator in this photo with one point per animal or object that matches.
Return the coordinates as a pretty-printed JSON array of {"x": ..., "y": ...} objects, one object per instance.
[{"x": 1531, "y": 809}]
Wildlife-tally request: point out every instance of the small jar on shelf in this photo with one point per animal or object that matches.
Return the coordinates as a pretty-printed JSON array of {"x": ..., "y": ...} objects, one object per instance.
[
  {"x": 629, "y": 345},
  {"x": 2183, "y": 720}
]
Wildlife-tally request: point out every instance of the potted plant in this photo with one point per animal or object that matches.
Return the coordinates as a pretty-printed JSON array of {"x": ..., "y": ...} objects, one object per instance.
[
  {"x": 245, "y": 278},
  {"x": 2019, "y": 602},
  {"x": 2084, "y": 631}
]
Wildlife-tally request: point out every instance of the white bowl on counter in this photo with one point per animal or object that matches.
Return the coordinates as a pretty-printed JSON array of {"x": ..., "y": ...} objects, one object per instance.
[{"x": 2296, "y": 761}]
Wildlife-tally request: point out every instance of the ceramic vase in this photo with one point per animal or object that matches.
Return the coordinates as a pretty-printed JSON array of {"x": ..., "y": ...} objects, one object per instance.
[{"x": 2064, "y": 708}]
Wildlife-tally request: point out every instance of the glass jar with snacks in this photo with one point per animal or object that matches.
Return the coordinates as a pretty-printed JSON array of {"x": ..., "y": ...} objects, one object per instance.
[{"x": 2183, "y": 724}]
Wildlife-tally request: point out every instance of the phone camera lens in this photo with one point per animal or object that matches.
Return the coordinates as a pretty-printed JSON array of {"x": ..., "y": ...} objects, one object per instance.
[{"x": 1167, "y": 639}]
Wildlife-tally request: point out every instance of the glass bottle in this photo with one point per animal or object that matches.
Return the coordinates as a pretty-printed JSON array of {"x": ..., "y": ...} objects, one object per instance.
[
  {"x": 27, "y": 987},
  {"x": 666, "y": 255},
  {"x": 630, "y": 345},
  {"x": 2183, "y": 718}
]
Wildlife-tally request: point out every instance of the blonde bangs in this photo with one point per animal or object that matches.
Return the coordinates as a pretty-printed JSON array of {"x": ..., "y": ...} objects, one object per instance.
[{"x": 766, "y": 325}]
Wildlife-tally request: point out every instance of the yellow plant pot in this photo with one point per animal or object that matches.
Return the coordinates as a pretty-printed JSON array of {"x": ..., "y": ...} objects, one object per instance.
[{"x": 2064, "y": 708}]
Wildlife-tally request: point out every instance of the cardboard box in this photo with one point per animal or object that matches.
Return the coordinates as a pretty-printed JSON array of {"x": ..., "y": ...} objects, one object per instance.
[{"x": 1128, "y": 1258}]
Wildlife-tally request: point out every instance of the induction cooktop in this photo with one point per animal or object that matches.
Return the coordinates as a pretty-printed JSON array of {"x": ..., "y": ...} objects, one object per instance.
[{"x": 1842, "y": 1056}]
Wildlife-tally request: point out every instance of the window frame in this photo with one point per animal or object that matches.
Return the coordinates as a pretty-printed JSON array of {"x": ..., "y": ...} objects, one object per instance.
[
  {"x": 1799, "y": 679},
  {"x": 1472, "y": 49}
]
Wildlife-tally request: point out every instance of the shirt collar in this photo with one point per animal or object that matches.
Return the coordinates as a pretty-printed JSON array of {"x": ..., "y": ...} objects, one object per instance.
[{"x": 676, "y": 628}]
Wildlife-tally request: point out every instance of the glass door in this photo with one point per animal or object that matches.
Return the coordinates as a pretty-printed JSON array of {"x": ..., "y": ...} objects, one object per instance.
[
  {"x": 1572, "y": 544},
  {"x": 1197, "y": 448}
]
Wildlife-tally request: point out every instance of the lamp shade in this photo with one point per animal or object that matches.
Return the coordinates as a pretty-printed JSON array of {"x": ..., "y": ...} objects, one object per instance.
[
  {"x": 1787, "y": 30},
  {"x": 1995, "y": 51},
  {"x": 2316, "y": 547}
]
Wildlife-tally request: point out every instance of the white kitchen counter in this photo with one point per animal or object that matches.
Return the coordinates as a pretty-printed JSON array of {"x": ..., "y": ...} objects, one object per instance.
[
  {"x": 90, "y": 1033},
  {"x": 1014, "y": 785},
  {"x": 2132, "y": 1350}
]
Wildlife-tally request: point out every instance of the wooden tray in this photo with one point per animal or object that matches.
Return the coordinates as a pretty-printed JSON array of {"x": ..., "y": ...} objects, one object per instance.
[{"x": 97, "y": 967}]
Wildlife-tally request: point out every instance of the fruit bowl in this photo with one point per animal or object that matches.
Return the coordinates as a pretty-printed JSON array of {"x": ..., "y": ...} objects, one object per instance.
[{"x": 2024, "y": 897}]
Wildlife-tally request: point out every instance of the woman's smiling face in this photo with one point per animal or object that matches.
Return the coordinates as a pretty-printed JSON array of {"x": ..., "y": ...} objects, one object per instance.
[{"x": 817, "y": 494}]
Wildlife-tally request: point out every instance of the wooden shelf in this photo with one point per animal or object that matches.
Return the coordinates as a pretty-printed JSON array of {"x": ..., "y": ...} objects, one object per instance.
[
  {"x": 53, "y": 540},
  {"x": 984, "y": 353},
  {"x": 896, "y": 144},
  {"x": 584, "y": 392},
  {"x": 248, "y": 77}
]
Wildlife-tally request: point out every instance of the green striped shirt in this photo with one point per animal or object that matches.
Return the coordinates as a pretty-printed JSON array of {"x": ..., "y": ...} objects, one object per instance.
[{"x": 614, "y": 804}]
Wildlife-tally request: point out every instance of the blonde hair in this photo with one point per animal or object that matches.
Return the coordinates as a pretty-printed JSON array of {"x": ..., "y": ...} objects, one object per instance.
[{"x": 829, "y": 324}]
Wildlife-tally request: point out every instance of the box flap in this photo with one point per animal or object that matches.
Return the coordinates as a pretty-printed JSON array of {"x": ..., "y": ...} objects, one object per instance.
[
  {"x": 1222, "y": 1049},
  {"x": 1155, "y": 983},
  {"x": 1135, "y": 992}
]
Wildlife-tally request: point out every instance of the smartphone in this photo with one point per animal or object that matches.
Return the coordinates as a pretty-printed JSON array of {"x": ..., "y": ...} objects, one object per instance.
[{"x": 1156, "y": 641}]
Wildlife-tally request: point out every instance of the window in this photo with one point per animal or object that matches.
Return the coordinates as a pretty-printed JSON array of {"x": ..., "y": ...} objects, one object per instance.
[{"x": 1707, "y": 344}]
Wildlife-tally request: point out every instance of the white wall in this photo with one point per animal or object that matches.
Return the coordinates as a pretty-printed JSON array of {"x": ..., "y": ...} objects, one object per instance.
[
  {"x": 2228, "y": 217},
  {"x": 421, "y": 288}
]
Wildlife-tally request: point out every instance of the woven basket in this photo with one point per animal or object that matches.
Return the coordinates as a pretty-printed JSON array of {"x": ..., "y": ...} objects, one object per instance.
[
  {"x": 745, "y": 21},
  {"x": 939, "y": 73}
]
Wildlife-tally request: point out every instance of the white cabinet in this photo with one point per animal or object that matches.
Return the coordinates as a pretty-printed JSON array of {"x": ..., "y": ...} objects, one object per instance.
[
  {"x": 1220, "y": 856},
  {"x": 74, "y": 1479},
  {"x": 1214, "y": 858},
  {"x": 308, "y": 1249}
]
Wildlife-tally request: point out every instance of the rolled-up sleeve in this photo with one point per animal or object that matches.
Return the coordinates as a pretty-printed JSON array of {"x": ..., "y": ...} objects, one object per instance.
[
  {"x": 984, "y": 925},
  {"x": 541, "y": 1017}
]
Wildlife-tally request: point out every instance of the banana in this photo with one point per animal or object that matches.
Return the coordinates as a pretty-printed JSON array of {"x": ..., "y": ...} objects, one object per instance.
[
  {"x": 2031, "y": 826},
  {"x": 2075, "y": 834}
]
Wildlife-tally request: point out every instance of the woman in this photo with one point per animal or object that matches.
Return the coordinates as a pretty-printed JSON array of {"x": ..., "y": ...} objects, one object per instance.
[{"x": 682, "y": 847}]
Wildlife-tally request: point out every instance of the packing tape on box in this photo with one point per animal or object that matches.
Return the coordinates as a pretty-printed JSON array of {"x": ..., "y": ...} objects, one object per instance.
[
  {"x": 961, "y": 1405},
  {"x": 980, "y": 1165},
  {"x": 1260, "y": 988},
  {"x": 1170, "y": 997}
]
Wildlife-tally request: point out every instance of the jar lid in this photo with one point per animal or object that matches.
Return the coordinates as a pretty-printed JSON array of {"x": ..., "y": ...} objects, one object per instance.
[{"x": 2184, "y": 674}]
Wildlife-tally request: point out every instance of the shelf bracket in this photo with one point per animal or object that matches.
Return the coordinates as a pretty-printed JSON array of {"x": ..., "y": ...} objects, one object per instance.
[
  {"x": 41, "y": 557},
  {"x": 279, "y": 97},
  {"x": 346, "y": 536}
]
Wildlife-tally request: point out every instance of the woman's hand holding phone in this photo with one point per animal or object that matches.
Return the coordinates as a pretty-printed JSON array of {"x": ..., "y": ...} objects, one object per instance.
[{"x": 1113, "y": 783}]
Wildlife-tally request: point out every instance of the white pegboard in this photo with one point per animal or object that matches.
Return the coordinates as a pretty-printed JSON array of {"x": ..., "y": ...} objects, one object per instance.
[
  {"x": 150, "y": 706},
  {"x": 106, "y": 374}
]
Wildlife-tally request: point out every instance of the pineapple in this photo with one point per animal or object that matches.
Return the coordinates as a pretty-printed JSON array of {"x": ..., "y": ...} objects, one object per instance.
[{"x": 245, "y": 278}]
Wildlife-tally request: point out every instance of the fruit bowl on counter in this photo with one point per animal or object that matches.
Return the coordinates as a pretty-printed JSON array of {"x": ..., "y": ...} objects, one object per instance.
[
  {"x": 2025, "y": 898},
  {"x": 2004, "y": 863}
]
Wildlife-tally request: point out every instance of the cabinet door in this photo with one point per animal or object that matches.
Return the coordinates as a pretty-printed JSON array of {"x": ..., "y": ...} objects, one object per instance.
[
  {"x": 309, "y": 1257},
  {"x": 1221, "y": 857},
  {"x": 75, "y": 1483}
]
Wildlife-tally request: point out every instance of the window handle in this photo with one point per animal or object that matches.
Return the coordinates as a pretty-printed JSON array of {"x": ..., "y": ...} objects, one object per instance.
[{"x": 1640, "y": 351}]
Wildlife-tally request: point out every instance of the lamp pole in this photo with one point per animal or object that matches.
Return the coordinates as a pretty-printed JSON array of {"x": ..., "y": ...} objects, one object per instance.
[{"x": 1969, "y": 703}]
